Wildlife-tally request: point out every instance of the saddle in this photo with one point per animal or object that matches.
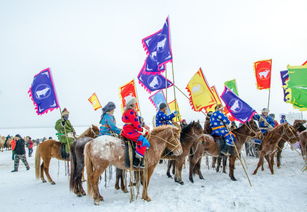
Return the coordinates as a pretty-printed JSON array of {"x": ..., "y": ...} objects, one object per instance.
[{"x": 219, "y": 140}]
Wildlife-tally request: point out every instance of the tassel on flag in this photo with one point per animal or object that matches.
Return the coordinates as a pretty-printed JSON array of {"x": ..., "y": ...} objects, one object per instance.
[
  {"x": 42, "y": 92},
  {"x": 95, "y": 101},
  {"x": 263, "y": 71}
]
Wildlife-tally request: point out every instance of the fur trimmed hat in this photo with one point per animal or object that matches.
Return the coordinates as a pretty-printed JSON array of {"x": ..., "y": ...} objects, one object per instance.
[{"x": 65, "y": 112}]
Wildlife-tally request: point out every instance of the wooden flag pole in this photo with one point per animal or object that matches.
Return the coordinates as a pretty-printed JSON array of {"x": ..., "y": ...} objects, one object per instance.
[
  {"x": 269, "y": 97},
  {"x": 166, "y": 84},
  {"x": 137, "y": 98}
]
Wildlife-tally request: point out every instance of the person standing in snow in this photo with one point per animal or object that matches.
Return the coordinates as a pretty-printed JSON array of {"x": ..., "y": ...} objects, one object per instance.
[{"x": 20, "y": 153}]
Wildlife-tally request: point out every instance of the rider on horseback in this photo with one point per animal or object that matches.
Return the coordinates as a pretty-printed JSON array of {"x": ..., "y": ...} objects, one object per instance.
[
  {"x": 133, "y": 130},
  {"x": 107, "y": 121},
  {"x": 218, "y": 123},
  {"x": 66, "y": 132},
  {"x": 162, "y": 118},
  {"x": 265, "y": 121}
]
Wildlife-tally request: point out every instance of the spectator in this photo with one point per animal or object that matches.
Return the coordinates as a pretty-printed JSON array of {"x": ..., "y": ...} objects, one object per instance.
[{"x": 20, "y": 153}]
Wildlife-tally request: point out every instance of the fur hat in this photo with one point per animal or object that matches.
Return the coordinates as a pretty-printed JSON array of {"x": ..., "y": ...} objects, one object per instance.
[
  {"x": 109, "y": 107},
  {"x": 265, "y": 110},
  {"x": 65, "y": 112},
  {"x": 162, "y": 106},
  {"x": 130, "y": 100},
  {"x": 219, "y": 106}
]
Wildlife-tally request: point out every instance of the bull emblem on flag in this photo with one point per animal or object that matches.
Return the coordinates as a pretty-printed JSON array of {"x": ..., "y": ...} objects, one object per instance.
[
  {"x": 42, "y": 93},
  {"x": 264, "y": 74}
]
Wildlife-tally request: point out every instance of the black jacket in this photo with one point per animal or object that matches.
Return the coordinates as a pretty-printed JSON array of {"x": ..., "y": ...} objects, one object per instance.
[{"x": 20, "y": 147}]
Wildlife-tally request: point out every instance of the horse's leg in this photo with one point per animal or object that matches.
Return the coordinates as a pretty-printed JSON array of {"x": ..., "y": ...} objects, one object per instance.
[
  {"x": 123, "y": 185},
  {"x": 272, "y": 163},
  {"x": 219, "y": 159},
  {"x": 260, "y": 162},
  {"x": 118, "y": 175},
  {"x": 46, "y": 169},
  {"x": 198, "y": 166},
  {"x": 42, "y": 172},
  {"x": 232, "y": 160},
  {"x": 178, "y": 169},
  {"x": 146, "y": 183},
  {"x": 213, "y": 162},
  {"x": 169, "y": 165},
  {"x": 173, "y": 166},
  {"x": 224, "y": 164},
  {"x": 98, "y": 171},
  {"x": 191, "y": 168}
]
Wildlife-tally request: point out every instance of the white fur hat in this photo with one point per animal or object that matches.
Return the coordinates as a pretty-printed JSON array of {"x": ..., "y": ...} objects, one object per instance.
[{"x": 130, "y": 100}]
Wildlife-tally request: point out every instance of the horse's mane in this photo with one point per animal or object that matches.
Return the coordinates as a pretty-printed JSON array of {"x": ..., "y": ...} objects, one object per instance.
[
  {"x": 275, "y": 131},
  {"x": 186, "y": 129},
  {"x": 157, "y": 130}
]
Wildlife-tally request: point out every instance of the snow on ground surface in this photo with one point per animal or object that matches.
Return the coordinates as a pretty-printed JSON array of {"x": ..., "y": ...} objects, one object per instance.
[{"x": 284, "y": 191}]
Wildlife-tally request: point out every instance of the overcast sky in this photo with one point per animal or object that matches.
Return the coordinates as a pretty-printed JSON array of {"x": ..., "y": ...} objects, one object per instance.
[{"x": 95, "y": 46}]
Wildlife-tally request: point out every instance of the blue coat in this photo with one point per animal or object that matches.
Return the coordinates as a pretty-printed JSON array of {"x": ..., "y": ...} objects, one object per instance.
[
  {"x": 283, "y": 121},
  {"x": 163, "y": 119},
  {"x": 263, "y": 126},
  {"x": 218, "y": 123},
  {"x": 108, "y": 125}
]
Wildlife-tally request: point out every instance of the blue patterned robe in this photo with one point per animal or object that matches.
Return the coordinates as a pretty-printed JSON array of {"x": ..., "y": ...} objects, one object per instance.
[
  {"x": 163, "y": 119},
  {"x": 263, "y": 126},
  {"x": 218, "y": 123}
]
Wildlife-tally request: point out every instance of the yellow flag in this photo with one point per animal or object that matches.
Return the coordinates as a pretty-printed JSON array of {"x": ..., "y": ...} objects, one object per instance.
[
  {"x": 95, "y": 101},
  {"x": 217, "y": 100},
  {"x": 200, "y": 93},
  {"x": 174, "y": 106}
]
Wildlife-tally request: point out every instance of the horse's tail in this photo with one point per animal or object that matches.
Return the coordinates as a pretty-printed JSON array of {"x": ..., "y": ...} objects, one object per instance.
[
  {"x": 37, "y": 162},
  {"x": 73, "y": 165},
  {"x": 89, "y": 168}
]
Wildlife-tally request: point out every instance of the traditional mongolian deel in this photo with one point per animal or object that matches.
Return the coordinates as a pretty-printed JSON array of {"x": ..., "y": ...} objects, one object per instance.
[
  {"x": 132, "y": 130},
  {"x": 232, "y": 85},
  {"x": 42, "y": 92},
  {"x": 153, "y": 82},
  {"x": 263, "y": 73},
  {"x": 239, "y": 109},
  {"x": 94, "y": 101},
  {"x": 108, "y": 125},
  {"x": 127, "y": 91},
  {"x": 158, "y": 98},
  {"x": 200, "y": 93},
  {"x": 284, "y": 78},
  {"x": 163, "y": 119},
  {"x": 218, "y": 123},
  {"x": 158, "y": 48}
]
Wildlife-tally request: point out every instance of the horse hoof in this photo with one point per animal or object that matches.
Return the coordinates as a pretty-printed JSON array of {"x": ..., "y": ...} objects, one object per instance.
[
  {"x": 100, "y": 198},
  {"x": 202, "y": 178},
  {"x": 148, "y": 199},
  {"x": 79, "y": 195},
  {"x": 52, "y": 183},
  {"x": 224, "y": 172},
  {"x": 233, "y": 179},
  {"x": 96, "y": 202},
  {"x": 117, "y": 187},
  {"x": 169, "y": 175},
  {"x": 125, "y": 191},
  {"x": 191, "y": 180},
  {"x": 44, "y": 181}
]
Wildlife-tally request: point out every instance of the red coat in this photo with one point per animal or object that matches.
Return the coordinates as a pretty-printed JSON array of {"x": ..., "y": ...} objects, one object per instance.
[
  {"x": 30, "y": 144},
  {"x": 13, "y": 144},
  {"x": 132, "y": 127}
]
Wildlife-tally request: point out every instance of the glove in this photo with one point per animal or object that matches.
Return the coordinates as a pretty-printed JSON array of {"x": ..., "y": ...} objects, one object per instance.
[
  {"x": 145, "y": 143},
  {"x": 145, "y": 132},
  {"x": 175, "y": 112}
]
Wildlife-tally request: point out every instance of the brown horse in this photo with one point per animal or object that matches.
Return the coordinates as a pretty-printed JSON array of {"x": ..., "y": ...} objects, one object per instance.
[
  {"x": 270, "y": 143},
  {"x": 2, "y": 140},
  {"x": 208, "y": 146},
  {"x": 189, "y": 135},
  {"x": 52, "y": 149},
  {"x": 107, "y": 150}
]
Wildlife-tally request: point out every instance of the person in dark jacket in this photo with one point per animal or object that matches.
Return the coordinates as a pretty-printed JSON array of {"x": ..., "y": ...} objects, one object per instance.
[{"x": 20, "y": 153}]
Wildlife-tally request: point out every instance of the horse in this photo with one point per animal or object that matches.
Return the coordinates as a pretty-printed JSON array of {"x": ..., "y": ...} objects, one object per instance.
[
  {"x": 270, "y": 142},
  {"x": 208, "y": 145},
  {"x": 189, "y": 135},
  {"x": 2, "y": 140},
  {"x": 107, "y": 150},
  {"x": 52, "y": 149}
]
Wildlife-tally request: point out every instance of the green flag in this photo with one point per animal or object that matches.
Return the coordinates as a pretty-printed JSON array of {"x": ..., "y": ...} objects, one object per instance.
[
  {"x": 298, "y": 85},
  {"x": 232, "y": 85}
]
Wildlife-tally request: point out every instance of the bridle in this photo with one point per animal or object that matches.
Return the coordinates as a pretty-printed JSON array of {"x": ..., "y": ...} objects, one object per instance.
[{"x": 175, "y": 146}]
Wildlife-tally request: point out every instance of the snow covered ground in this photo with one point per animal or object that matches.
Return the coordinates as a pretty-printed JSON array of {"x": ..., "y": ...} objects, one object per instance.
[{"x": 284, "y": 191}]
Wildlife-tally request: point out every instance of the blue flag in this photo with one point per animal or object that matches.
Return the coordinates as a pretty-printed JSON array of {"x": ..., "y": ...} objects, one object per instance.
[
  {"x": 284, "y": 78},
  {"x": 42, "y": 92},
  {"x": 153, "y": 82},
  {"x": 239, "y": 109},
  {"x": 158, "y": 48},
  {"x": 158, "y": 98}
]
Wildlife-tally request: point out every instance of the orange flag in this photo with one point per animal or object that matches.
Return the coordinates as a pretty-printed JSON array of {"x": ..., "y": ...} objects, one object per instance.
[
  {"x": 200, "y": 93},
  {"x": 95, "y": 101},
  {"x": 128, "y": 90},
  {"x": 263, "y": 71}
]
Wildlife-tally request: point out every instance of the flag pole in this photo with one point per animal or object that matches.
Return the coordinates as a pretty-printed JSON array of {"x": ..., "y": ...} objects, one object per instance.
[
  {"x": 136, "y": 91},
  {"x": 166, "y": 84},
  {"x": 269, "y": 97}
]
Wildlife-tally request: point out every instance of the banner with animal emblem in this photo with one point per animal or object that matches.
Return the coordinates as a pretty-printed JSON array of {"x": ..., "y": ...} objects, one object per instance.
[
  {"x": 158, "y": 49},
  {"x": 173, "y": 106},
  {"x": 42, "y": 92},
  {"x": 263, "y": 74},
  {"x": 95, "y": 101},
  {"x": 232, "y": 85},
  {"x": 239, "y": 109},
  {"x": 153, "y": 82},
  {"x": 216, "y": 99},
  {"x": 297, "y": 85},
  {"x": 284, "y": 80},
  {"x": 127, "y": 91},
  {"x": 200, "y": 93},
  {"x": 157, "y": 98}
]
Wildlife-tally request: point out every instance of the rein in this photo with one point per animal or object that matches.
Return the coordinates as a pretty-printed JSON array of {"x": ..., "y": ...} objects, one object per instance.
[{"x": 168, "y": 142}]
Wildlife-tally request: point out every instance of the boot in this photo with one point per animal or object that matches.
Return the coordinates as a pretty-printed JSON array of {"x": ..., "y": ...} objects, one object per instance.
[
  {"x": 15, "y": 170},
  {"x": 225, "y": 150},
  {"x": 136, "y": 162},
  {"x": 142, "y": 166}
]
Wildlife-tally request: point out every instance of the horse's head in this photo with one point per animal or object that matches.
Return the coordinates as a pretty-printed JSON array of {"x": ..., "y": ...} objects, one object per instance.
[
  {"x": 92, "y": 132},
  {"x": 254, "y": 129},
  {"x": 290, "y": 133},
  {"x": 209, "y": 144},
  {"x": 193, "y": 128},
  {"x": 174, "y": 142},
  {"x": 299, "y": 125}
]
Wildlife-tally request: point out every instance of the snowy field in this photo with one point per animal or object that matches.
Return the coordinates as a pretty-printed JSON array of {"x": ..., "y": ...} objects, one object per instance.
[{"x": 284, "y": 191}]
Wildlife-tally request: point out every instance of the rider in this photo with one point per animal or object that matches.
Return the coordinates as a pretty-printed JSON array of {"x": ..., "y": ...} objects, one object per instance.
[
  {"x": 162, "y": 118},
  {"x": 107, "y": 121},
  {"x": 133, "y": 130},
  {"x": 265, "y": 121},
  {"x": 66, "y": 132},
  {"x": 218, "y": 123},
  {"x": 283, "y": 119},
  {"x": 272, "y": 115}
]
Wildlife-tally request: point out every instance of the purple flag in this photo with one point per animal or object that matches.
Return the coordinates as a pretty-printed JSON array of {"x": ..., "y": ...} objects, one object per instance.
[
  {"x": 42, "y": 92},
  {"x": 153, "y": 82},
  {"x": 284, "y": 78},
  {"x": 158, "y": 48},
  {"x": 239, "y": 109}
]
